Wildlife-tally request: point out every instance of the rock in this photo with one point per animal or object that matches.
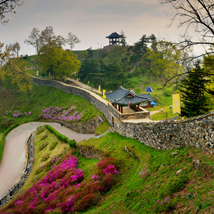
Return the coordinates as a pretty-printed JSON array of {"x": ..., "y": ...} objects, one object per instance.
[
  {"x": 179, "y": 172},
  {"x": 196, "y": 164}
]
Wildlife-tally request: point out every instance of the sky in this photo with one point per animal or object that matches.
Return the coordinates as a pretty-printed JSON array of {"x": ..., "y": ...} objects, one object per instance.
[{"x": 90, "y": 20}]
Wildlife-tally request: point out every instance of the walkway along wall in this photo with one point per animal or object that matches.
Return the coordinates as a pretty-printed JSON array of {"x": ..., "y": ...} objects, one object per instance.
[
  {"x": 29, "y": 143},
  {"x": 197, "y": 132}
]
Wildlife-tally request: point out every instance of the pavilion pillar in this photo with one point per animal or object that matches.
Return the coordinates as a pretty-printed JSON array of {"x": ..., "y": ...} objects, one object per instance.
[
  {"x": 122, "y": 109},
  {"x": 138, "y": 107}
]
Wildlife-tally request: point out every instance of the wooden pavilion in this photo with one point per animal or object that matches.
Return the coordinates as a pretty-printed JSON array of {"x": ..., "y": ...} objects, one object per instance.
[
  {"x": 114, "y": 39},
  {"x": 123, "y": 97}
]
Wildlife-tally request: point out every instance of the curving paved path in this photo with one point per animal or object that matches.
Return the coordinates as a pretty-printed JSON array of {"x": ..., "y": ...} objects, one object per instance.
[{"x": 13, "y": 160}]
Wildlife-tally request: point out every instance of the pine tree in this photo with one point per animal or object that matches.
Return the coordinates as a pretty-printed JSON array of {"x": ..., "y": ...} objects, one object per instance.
[{"x": 193, "y": 90}]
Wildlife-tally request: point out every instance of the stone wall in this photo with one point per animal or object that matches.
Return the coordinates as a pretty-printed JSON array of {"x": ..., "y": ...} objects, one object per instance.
[
  {"x": 85, "y": 127},
  {"x": 26, "y": 172},
  {"x": 196, "y": 132}
]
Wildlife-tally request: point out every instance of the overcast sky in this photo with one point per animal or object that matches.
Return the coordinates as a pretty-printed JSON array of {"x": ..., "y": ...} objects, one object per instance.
[{"x": 90, "y": 20}]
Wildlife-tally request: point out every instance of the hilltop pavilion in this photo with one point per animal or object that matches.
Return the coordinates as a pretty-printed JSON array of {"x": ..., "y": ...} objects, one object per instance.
[{"x": 114, "y": 39}]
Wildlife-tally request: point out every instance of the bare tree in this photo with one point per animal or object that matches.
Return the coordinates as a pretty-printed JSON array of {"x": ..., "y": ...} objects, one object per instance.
[
  {"x": 34, "y": 39},
  {"x": 72, "y": 40},
  {"x": 195, "y": 14},
  {"x": 15, "y": 48},
  {"x": 7, "y": 6}
]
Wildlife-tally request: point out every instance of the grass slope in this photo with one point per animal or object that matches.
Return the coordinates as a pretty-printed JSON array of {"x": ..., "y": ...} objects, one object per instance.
[
  {"x": 137, "y": 194},
  {"x": 42, "y": 97}
]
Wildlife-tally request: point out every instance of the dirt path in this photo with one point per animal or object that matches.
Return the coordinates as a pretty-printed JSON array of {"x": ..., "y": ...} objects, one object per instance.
[{"x": 13, "y": 160}]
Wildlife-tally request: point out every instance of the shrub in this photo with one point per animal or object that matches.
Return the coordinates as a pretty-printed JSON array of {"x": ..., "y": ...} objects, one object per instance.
[
  {"x": 39, "y": 131},
  {"x": 72, "y": 143},
  {"x": 63, "y": 190},
  {"x": 174, "y": 185},
  {"x": 45, "y": 157},
  {"x": 41, "y": 147},
  {"x": 44, "y": 137},
  {"x": 53, "y": 145}
]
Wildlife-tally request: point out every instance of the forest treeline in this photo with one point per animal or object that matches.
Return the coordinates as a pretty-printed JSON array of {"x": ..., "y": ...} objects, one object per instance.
[{"x": 160, "y": 59}]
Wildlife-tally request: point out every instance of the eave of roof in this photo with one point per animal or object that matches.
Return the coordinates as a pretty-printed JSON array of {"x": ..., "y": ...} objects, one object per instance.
[
  {"x": 113, "y": 35},
  {"x": 119, "y": 97}
]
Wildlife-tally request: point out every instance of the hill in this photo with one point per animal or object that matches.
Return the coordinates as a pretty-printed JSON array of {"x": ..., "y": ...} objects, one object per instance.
[
  {"x": 145, "y": 181},
  {"x": 16, "y": 108}
]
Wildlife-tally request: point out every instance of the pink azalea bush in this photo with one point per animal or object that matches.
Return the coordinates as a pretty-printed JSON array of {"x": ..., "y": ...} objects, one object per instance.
[
  {"x": 55, "y": 113},
  {"x": 63, "y": 189}
]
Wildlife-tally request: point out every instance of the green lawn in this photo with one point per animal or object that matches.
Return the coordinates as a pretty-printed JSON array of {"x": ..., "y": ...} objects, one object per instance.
[{"x": 42, "y": 97}]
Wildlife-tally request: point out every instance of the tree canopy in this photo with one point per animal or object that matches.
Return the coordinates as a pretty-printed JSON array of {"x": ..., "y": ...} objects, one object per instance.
[
  {"x": 193, "y": 90},
  {"x": 58, "y": 62}
]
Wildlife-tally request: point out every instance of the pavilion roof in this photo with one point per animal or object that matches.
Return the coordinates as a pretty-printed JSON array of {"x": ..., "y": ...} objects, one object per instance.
[
  {"x": 147, "y": 96},
  {"x": 113, "y": 35},
  {"x": 123, "y": 96}
]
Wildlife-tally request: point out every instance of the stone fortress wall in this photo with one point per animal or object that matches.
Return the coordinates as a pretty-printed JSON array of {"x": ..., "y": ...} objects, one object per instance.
[{"x": 195, "y": 132}]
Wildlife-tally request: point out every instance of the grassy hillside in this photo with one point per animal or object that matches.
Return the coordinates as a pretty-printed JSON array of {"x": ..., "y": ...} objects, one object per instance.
[
  {"x": 150, "y": 181},
  {"x": 135, "y": 80},
  {"x": 42, "y": 97}
]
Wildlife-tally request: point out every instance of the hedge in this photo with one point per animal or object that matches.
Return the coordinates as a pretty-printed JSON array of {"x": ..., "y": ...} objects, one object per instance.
[
  {"x": 72, "y": 143},
  {"x": 3, "y": 138}
]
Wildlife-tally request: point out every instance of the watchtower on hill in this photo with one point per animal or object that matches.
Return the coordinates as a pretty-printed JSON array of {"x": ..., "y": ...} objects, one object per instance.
[{"x": 114, "y": 39}]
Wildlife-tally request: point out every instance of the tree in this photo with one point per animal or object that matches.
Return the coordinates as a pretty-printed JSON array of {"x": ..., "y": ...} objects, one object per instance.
[
  {"x": 7, "y": 6},
  {"x": 34, "y": 39},
  {"x": 123, "y": 38},
  {"x": 72, "y": 40},
  {"x": 15, "y": 69},
  {"x": 58, "y": 62},
  {"x": 164, "y": 58},
  {"x": 199, "y": 16},
  {"x": 193, "y": 93},
  {"x": 4, "y": 57},
  {"x": 15, "y": 48},
  {"x": 196, "y": 14},
  {"x": 46, "y": 37}
]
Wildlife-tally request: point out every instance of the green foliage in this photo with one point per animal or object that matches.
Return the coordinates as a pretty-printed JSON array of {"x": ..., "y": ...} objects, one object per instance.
[
  {"x": 103, "y": 127},
  {"x": 42, "y": 146},
  {"x": 44, "y": 137},
  {"x": 42, "y": 97},
  {"x": 71, "y": 143},
  {"x": 45, "y": 157},
  {"x": 57, "y": 62},
  {"x": 193, "y": 90},
  {"x": 174, "y": 185},
  {"x": 53, "y": 145},
  {"x": 3, "y": 136}
]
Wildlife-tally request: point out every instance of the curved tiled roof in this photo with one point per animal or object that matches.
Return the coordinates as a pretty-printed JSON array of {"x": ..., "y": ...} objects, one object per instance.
[
  {"x": 120, "y": 97},
  {"x": 148, "y": 96},
  {"x": 113, "y": 35}
]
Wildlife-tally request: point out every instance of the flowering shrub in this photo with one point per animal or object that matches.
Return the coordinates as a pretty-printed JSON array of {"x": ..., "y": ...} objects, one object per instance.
[
  {"x": 144, "y": 172},
  {"x": 55, "y": 113},
  {"x": 41, "y": 147},
  {"x": 164, "y": 205},
  {"x": 43, "y": 137},
  {"x": 53, "y": 145},
  {"x": 20, "y": 114},
  {"x": 45, "y": 157},
  {"x": 39, "y": 131},
  {"x": 63, "y": 190}
]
